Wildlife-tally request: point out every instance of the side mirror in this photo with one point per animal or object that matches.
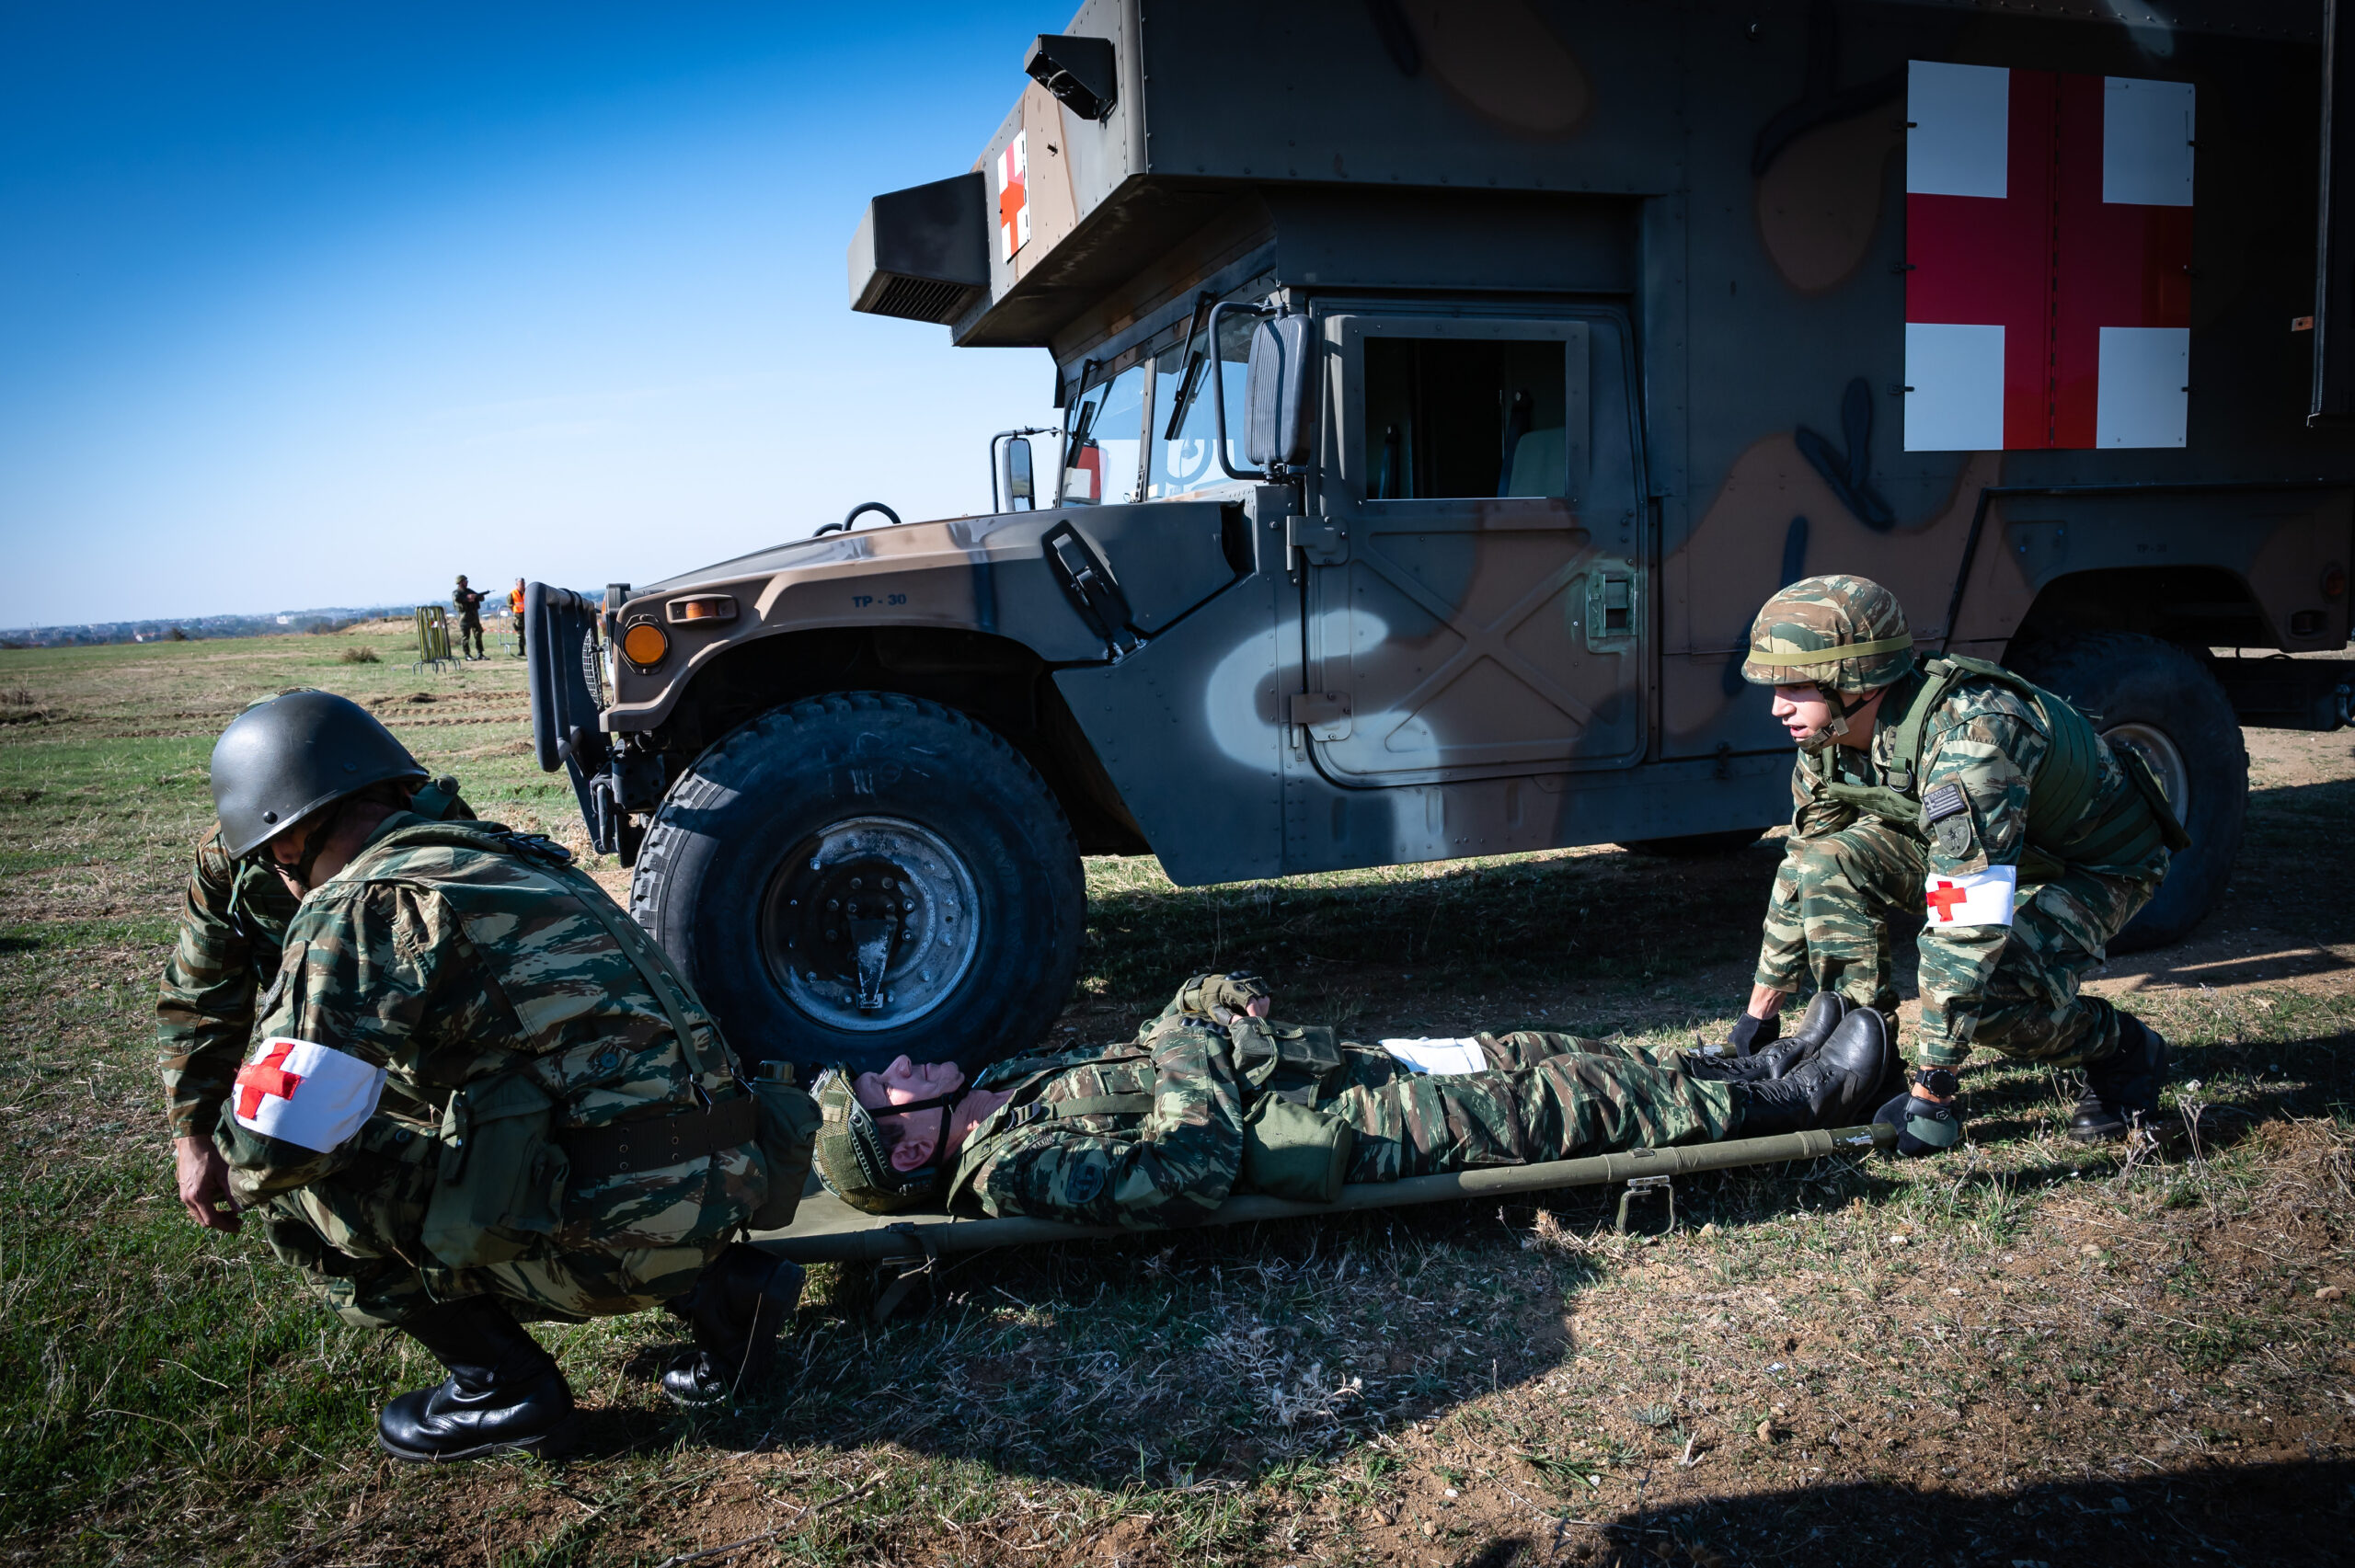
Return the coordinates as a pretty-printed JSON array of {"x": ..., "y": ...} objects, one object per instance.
[
  {"x": 1277, "y": 399},
  {"x": 1018, "y": 484}
]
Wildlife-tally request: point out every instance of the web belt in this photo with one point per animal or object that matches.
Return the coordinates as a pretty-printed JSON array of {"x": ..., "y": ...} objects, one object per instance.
[{"x": 656, "y": 1143}]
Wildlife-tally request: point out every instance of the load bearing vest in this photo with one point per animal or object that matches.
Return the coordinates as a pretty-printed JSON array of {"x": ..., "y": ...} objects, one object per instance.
[{"x": 2061, "y": 828}]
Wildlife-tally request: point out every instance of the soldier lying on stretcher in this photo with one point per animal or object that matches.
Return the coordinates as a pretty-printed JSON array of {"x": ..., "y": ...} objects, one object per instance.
[{"x": 1213, "y": 1098}]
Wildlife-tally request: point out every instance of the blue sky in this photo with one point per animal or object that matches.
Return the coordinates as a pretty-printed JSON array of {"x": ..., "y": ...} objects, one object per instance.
[{"x": 307, "y": 305}]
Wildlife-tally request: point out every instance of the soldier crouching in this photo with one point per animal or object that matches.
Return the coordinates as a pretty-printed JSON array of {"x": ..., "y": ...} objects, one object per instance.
[
  {"x": 1954, "y": 788},
  {"x": 475, "y": 1094}
]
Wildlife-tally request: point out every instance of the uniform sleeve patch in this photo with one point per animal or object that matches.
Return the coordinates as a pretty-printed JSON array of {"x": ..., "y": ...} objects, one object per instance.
[
  {"x": 305, "y": 1093},
  {"x": 1976, "y": 897},
  {"x": 1942, "y": 803}
]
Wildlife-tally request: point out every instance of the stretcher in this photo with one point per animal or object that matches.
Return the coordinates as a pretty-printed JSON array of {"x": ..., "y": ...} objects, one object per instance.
[{"x": 826, "y": 1230}]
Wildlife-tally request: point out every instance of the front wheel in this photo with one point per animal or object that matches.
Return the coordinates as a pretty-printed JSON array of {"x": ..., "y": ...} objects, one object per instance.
[
  {"x": 2159, "y": 701},
  {"x": 863, "y": 877}
]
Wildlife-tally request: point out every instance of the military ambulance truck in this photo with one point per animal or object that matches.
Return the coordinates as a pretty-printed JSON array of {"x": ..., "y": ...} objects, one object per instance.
[{"x": 1442, "y": 387}]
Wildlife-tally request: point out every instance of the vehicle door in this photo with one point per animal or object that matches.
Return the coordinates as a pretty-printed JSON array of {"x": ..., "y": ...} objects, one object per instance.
[{"x": 1477, "y": 600}]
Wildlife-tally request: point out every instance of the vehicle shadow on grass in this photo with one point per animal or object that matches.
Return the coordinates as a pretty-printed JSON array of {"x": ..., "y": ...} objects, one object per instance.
[{"x": 2294, "y": 1512}]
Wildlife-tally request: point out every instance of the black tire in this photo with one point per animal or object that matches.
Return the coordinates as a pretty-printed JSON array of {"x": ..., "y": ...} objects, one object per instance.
[
  {"x": 2159, "y": 697},
  {"x": 826, "y": 802},
  {"x": 1696, "y": 846}
]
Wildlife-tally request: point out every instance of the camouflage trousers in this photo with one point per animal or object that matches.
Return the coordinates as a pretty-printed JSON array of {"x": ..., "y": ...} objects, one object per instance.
[
  {"x": 2011, "y": 989},
  {"x": 357, "y": 1233},
  {"x": 1544, "y": 1097}
]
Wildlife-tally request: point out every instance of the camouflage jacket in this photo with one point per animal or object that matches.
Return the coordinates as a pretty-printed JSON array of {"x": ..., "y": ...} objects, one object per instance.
[
  {"x": 1988, "y": 741},
  {"x": 1144, "y": 1135},
  {"x": 470, "y": 603},
  {"x": 233, "y": 922},
  {"x": 447, "y": 953}
]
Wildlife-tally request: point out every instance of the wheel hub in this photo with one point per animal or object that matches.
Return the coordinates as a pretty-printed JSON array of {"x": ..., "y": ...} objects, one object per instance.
[
  {"x": 869, "y": 923},
  {"x": 2159, "y": 752}
]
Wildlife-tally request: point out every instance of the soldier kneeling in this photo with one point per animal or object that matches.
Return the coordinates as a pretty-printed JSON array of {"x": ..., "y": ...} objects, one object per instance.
[
  {"x": 1211, "y": 1098},
  {"x": 478, "y": 1095}
]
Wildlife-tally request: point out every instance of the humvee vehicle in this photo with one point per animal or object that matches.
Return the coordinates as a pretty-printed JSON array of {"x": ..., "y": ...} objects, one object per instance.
[{"x": 1444, "y": 386}]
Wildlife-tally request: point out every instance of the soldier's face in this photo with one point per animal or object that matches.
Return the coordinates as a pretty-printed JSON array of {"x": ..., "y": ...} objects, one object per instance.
[
  {"x": 904, "y": 1083},
  {"x": 914, "y": 1136},
  {"x": 1802, "y": 711}
]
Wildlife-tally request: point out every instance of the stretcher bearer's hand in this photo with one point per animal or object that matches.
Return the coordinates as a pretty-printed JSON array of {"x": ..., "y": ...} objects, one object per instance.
[
  {"x": 1929, "y": 1115},
  {"x": 204, "y": 1184}
]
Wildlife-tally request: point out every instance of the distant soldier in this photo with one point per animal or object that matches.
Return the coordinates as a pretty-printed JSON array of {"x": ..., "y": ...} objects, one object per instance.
[
  {"x": 1951, "y": 786},
  {"x": 515, "y": 608},
  {"x": 1212, "y": 1099},
  {"x": 476, "y": 1093},
  {"x": 470, "y": 603}
]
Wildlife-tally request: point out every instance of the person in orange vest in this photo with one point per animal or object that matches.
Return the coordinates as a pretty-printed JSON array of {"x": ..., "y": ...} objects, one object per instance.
[{"x": 515, "y": 607}]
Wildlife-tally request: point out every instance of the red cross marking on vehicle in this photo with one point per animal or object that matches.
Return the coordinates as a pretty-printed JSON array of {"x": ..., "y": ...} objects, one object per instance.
[
  {"x": 2051, "y": 260},
  {"x": 267, "y": 1076},
  {"x": 1946, "y": 898}
]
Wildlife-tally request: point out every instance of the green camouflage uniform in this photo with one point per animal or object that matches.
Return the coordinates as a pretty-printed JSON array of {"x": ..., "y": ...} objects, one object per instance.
[
  {"x": 460, "y": 956},
  {"x": 1064, "y": 1149},
  {"x": 1847, "y": 872},
  {"x": 233, "y": 926},
  {"x": 470, "y": 603}
]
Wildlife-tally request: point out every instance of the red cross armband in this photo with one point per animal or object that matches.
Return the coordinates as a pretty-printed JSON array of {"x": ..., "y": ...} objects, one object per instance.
[
  {"x": 305, "y": 1093},
  {"x": 1974, "y": 898}
]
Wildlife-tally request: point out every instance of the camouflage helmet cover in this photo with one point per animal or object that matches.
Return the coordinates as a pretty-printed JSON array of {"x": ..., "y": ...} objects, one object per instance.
[
  {"x": 854, "y": 1160},
  {"x": 1841, "y": 633}
]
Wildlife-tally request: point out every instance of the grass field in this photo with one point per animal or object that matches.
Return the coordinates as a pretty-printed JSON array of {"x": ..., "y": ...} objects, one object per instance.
[{"x": 2022, "y": 1351}]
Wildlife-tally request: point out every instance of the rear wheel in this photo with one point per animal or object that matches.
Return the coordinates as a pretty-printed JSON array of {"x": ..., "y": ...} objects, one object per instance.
[
  {"x": 865, "y": 875},
  {"x": 2159, "y": 701}
]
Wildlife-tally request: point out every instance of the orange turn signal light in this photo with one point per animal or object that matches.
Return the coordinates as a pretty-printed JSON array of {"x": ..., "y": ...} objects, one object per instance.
[
  {"x": 705, "y": 607},
  {"x": 645, "y": 644}
]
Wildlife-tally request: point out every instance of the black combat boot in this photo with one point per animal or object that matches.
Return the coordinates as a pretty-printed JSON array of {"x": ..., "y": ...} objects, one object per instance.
[
  {"x": 1831, "y": 1088},
  {"x": 2123, "y": 1086},
  {"x": 1775, "y": 1060},
  {"x": 503, "y": 1391},
  {"x": 736, "y": 1310}
]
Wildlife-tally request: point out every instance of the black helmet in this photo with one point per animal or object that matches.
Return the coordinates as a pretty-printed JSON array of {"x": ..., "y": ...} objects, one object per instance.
[{"x": 285, "y": 757}]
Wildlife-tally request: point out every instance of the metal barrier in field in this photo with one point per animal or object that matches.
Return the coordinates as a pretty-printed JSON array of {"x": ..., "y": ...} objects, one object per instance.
[{"x": 432, "y": 639}]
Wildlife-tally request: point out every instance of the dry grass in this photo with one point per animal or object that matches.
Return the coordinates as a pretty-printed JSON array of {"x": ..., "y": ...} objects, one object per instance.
[{"x": 2022, "y": 1351}]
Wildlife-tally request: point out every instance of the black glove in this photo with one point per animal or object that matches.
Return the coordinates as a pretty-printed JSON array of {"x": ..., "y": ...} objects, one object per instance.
[
  {"x": 1928, "y": 1117},
  {"x": 1748, "y": 1034}
]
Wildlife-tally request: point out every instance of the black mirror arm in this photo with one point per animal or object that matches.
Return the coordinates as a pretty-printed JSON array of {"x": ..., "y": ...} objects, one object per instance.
[{"x": 1218, "y": 389}]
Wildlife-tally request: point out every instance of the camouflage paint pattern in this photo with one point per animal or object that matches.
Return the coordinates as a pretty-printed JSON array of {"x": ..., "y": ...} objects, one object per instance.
[
  {"x": 1846, "y": 875},
  {"x": 453, "y": 953},
  {"x": 1546, "y": 1096}
]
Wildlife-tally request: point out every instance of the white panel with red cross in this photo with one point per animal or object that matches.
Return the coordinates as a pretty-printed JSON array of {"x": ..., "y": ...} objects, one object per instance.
[
  {"x": 306, "y": 1093},
  {"x": 1974, "y": 898},
  {"x": 2048, "y": 238}
]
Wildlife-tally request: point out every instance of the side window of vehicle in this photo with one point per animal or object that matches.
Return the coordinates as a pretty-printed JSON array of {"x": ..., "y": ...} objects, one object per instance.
[
  {"x": 1102, "y": 455},
  {"x": 1464, "y": 417},
  {"x": 1184, "y": 446}
]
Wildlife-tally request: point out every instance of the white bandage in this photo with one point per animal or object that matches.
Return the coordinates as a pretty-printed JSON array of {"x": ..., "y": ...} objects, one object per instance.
[{"x": 1443, "y": 1057}]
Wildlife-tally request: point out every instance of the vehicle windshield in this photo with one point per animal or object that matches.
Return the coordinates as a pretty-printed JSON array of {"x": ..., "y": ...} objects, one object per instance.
[
  {"x": 1183, "y": 451},
  {"x": 1102, "y": 455}
]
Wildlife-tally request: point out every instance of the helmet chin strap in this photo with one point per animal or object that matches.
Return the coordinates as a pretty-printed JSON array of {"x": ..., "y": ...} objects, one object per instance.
[{"x": 1837, "y": 730}]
